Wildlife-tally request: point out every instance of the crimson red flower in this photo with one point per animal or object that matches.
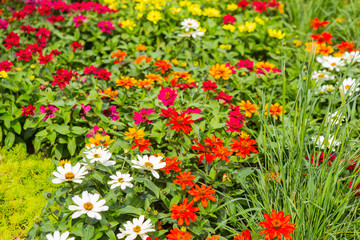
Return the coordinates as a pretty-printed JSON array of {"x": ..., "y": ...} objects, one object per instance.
[
  {"x": 243, "y": 4},
  {"x": 27, "y": 28},
  {"x": 245, "y": 235},
  {"x": 55, "y": 52},
  {"x": 316, "y": 23},
  {"x": 45, "y": 59},
  {"x": 184, "y": 212},
  {"x": 202, "y": 193},
  {"x": 224, "y": 98},
  {"x": 5, "y": 65},
  {"x": 234, "y": 124},
  {"x": 209, "y": 86},
  {"x": 12, "y": 40},
  {"x": 29, "y": 110},
  {"x": 163, "y": 65},
  {"x": 277, "y": 225},
  {"x": 43, "y": 32},
  {"x": 273, "y": 3},
  {"x": 317, "y": 159},
  {"x": 76, "y": 45},
  {"x": 229, "y": 19},
  {"x": 259, "y": 6},
  {"x": 357, "y": 187},
  {"x": 249, "y": 65},
  {"x": 243, "y": 147},
  {"x": 184, "y": 179},
  {"x": 25, "y": 55},
  {"x": 180, "y": 122},
  {"x": 168, "y": 112},
  {"x": 102, "y": 74},
  {"x": 323, "y": 37},
  {"x": 149, "y": 238},
  {"x": 171, "y": 164},
  {"x": 62, "y": 77},
  {"x": 142, "y": 144},
  {"x": 34, "y": 48}
]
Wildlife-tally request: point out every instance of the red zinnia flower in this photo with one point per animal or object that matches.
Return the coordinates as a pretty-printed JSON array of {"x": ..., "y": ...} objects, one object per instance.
[
  {"x": 29, "y": 110},
  {"x": 163, "y": 65},
  {"x": 5, "y": 65},
  {"x": 243, "y": 147},
  {"x": 316, "y": 23},
  {"x": 245, "y": 235},
  {"x": 243, "y": 4},
  {"x": 180, "y": 122},
  {"x": 209, "y": 86},
  {"x": 346, "y": 46},
  {"x": 184, "y": 212},
  {"x": 316, "y": 160},
  {"x": 45, "y": 59},
  {"x": 142, "y": 144},
  {"x": 76, "y": 45},
  {"x": 224, "y": 98},
  {"x": 25, "y": 55},
  {"x": 62, "y": 77},
  {"x": 176, "y": 234},
  {"x": 229, "y": 19},
  {"x": 171, "y": 164},
  {"x": 357, "y": 187},
  {"x": 277, "y": 225},
  {"x": 184, "y": 179},
  {"x": 205, "y": 151},
  {"x": 259, "y": 6},
  {"x": 323, "y": 37},
  {"x": 12, "y": 40},
  {"x": 222, "y": 152},
  {"x": 202, "y": 193}
]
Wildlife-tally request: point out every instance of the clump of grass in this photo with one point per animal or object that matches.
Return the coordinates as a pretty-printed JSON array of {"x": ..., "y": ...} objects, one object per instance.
[{"x": 23, "y": 179}]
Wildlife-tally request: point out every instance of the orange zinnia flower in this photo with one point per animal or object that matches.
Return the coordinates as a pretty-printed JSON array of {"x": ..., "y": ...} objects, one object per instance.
[
  {"x": 246, "y": 235},
  {"x": 184, "y": 212},
  {"x": 176, "y": 234},
  {"x": 163, "y": 65},
  {"x": 275, "y": 110},
  {"x": 213, "y": 238},
  {"x": 202, "y": 193},
  {"x": 183, "y": 75},
  {"x": 126, "y": 82},
  {"x": 142, "y": 144},
  {"x": 154, "y": 77},
  {"x": 316, "y": 23},
  {"x": 111, "y": 94},
  {"x": 100, "y": 140},
  {"x": 119, "y": 54},
  {"x": 146, "y": 83},
  {"x": 213, "y": 141},
  {"x": 222, "y": 152},
  {"x": 325, "y": 50},
  {"x": 323, "y": 37},
  {"x": 184, "y": 179},
  {"x": 248, "y": 107},
  {"x": 141, "y": 48},
  {"x": 243, "y": 147},
  {"x": 273, "y": 176},
  {"x": 220, "y": 71},
  {"x": 277, "y": 225},
  {"x": 180, "y": 122},
  {"x": 171, "y": 164}
]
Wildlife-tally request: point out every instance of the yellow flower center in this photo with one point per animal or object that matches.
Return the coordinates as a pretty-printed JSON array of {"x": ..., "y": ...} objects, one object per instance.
[
  {"x": 120, "y": 180},
  {"x": 96, "y": 155},
  {"x": 137, "y": 229},
  {"x": 88, "y": 206},
  {"x": 347, "y": 86},
  {"x": 69, "y": 175},
  {"x": 321, "y": 75},
  {"x": 333, "y": 64},
  {"x": 244, "y": 144},
  {"x": 148, "y": 164},
  {"x": 276, "y": 224}
]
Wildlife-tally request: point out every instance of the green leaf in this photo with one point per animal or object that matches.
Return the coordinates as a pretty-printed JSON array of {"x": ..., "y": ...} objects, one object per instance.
[
  {"x": 88, "y": 232},
  {"x": 62, "y": 129},
  {"x": 150, "y": 185},
  {"x": 72, "y": 146},
  {"x": 10, "y": 139},
  {"x": 175, "y": 200},
  {"x": 16, "y": 126}
]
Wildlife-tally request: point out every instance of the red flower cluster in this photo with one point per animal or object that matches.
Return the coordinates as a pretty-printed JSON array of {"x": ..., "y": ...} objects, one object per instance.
[
  {"x": 29, "y": 110},
  {"x": 229, "y": 19},
  {"x": 180, "y": 122},
  {"x": 99, "y": 73},
  {"x": 213, "y": 148},
  {"x": 236, "y": 120},
  {"x": 62, "y": 77},
  {"x": 316, "y": 158}
]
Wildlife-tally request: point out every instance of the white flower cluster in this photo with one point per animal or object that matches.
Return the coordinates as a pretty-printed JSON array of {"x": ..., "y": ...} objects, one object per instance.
[{"x": 191, "y": 27}]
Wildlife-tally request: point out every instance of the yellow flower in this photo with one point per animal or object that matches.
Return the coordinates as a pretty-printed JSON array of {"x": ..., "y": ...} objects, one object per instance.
[
  {"x": 32, "y": 66},
  {"x": 133, "y": 133},
  {"x": 140, "y": 6},
  {"x": 196, "y": 64},
  {"x": 184, "y": 3},
  {"x": 259, "y": 21},
  {"x": 241, "y": 28},
  {"x": 183, "y": 64},
  {"x": 244, "y": 135},
  {"x": 62, "y": 162},
  {"x": 100, "y": 140},
  {"x": 227, "y": 47},
  {"x": 276, "y": 33},
  {"x": 175, "y": 10},
  {"x": 231, "y": 7},
  {"x": 32, "y": 77},
  {"x": 195, "y": 9},
  {"x": 3, "y": 74},
  {"x": 211, "y": 12},
  {"x": 229, "y": 27},
  {"x": 297, "y": 43},
  {"x": 340, "y": 20},
  {"x": 248, "y": 107},
  {"x": 250, "y": 26},
  {"x": 154, "y": 16},
  {"x": 175, "y": 61},
  {"x": 220, "y": 71},
  {"x": 124, "y": 6},
  {"x": 130, "y": 24},
  {"x": 139, "y": 15}
]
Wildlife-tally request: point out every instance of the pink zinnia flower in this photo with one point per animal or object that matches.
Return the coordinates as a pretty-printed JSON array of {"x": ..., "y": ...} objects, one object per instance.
[
  {"x": 49, "y": 110},
  {"x": 235, "y": 113},
  {"x": 168, "y": 112},
  {"x": 191, "y": 110},
  {"x": 249, "y": 65},
  {"x": 167, "y": 96},
  {"x": 106, "y": 26},
  {"x": 79, "y": 20},
  {"x": 234, "y": 125},
  {"x": 3, "y": 24},
  {"x": 229, "y": 19},
  {"x": 84, "y": 110},
  {"x": 223, "y": 98},
  {"x": 231, "y": 68},
  {"x": 142, "y": 115},
  {"x": 96, "y": 130},
  {"x": 111, "y": 113}
]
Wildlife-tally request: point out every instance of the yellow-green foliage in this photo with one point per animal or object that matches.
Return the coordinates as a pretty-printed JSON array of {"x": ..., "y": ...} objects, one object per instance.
[{"x": 23, "y": 179}]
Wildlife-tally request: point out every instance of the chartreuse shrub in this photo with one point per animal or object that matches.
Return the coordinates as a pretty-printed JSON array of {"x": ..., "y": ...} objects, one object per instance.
[{"x": 23, "y": 180}]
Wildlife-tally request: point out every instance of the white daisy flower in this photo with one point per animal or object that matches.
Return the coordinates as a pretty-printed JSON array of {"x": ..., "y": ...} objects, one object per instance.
[
  {"x": 330, "y": 142},
  {"x": 333, "y": 63},
  {"x": 351, "y": 57},
  {"x": 121, "y": 180},
  {"x": 325, "y": 89},
  {"x": 136, "y": 228},
  {"x": 69, "y": 173},
  {"x": 149, "y": 164},
  {"x": 322, "y": 75},
  {"x": 88, "y": 204},
  {"x": 322, "y": 59},
  {"x": 57, "y": 236},
  {"x": 100, "y": 155},
  {"x": 194, "y": 34},
  {"x": 335, "y": 118},
  {"x": 349, "y": 84},
  {"x": 189, "y": 23}
]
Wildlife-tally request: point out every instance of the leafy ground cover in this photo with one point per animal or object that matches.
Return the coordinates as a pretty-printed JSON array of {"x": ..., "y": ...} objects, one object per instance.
[{"x": 187, "y": 119}]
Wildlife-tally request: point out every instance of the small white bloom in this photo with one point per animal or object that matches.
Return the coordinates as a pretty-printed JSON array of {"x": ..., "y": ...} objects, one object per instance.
[
  {"x": 333, "y": 63},
  {"x": 149, "y": 164},
  {"x": 121, "y": 180},
  {"x": 100, "y": 155},
  {"x": 194, "y": 34},
  {"x": 322, "y": 59},
  {"x": 189, "y": 23},
  {"x": 325, "y": 89},
  {"x": 136, "y": 228},
  {"x": 331, "y": 142},
  {"x": 69, "y": 173},
  {"x": 335, "y": 118},
  {"x": 351, "y": 57},
  {"x": 322, "y": 75},
  {"x": 349, "y": 84},
  {"x": 88, "y": 204},
  {"x": 57, "y": 236}
]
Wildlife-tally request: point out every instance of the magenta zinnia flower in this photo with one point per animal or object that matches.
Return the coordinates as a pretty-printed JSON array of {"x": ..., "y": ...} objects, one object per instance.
[
  {"x": 235, "y": 113},
  {"x": 142, "y": 115},
  {"x": 3, "y": 24},
  {"x": 106, "y": 26},
  {"x": 49, "y": 110},
  {"x": 84, "y": 110},
  {"x": 249, "y": 65},
  {"x": 167, "y": 96},
  {"x": 79, "y": 20},
  {"x": 193, "y": 110},
  {"x": 168, "y": 112},
  {"x": 231, "y": 68},
  {"x": 112, "y": 113},
  {"x": 96, "y": 130},
  {"x": 234, "y": 125}
]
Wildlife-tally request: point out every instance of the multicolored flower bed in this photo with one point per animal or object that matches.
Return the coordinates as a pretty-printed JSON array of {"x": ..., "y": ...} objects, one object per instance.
[{"x": 185, "y": 120}]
